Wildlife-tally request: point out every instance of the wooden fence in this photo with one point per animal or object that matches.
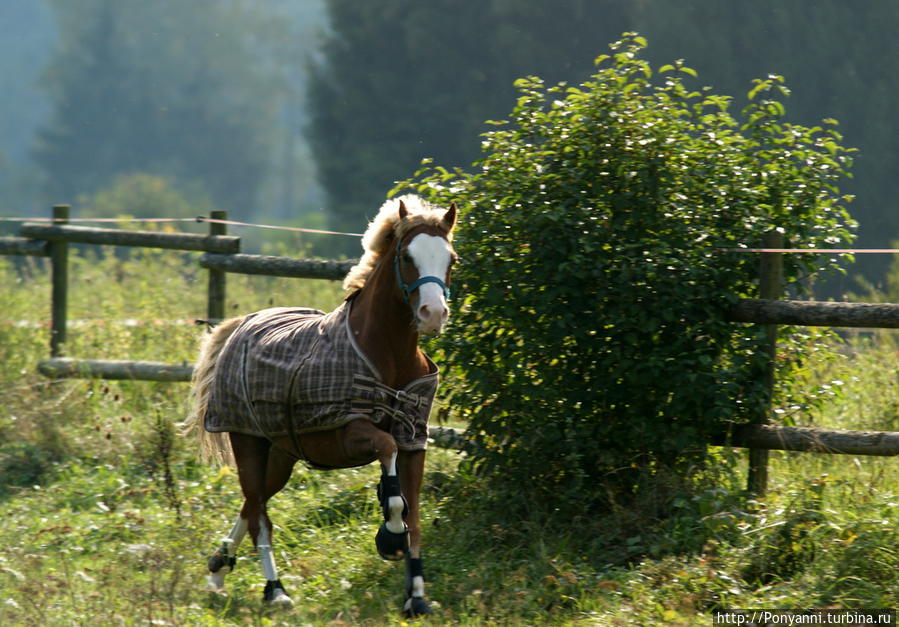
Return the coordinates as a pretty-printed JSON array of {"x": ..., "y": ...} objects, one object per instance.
[{"x": 221, "y": 255}]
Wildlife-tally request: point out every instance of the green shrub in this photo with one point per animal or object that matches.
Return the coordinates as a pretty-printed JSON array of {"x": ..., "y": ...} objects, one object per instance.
[{"x": 589, "y": 337}]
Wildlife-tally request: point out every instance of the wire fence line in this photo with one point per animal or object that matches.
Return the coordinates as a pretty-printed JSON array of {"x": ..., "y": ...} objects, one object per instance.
[
  {"x": 197, "y": 219},
  {"x": 297, "y": 229}
]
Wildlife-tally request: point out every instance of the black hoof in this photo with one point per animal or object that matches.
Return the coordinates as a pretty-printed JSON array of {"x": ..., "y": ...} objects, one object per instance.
[
  {"x": 391, "y": 546},
  {"x": 416, "y": 606},
  {"x": 275, "y": 594}
]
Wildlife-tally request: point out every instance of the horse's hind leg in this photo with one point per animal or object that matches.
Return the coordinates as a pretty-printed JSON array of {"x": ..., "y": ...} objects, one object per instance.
[
  {"x": 223, "y": 560},
  {"x": 254, "y": 459}
]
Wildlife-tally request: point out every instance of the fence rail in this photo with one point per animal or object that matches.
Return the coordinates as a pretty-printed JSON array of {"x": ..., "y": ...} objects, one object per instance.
[
  {"x": 814, "y": 440},
  {"x": 118, "y": 237},
  {"x": 816, "y": 314},
  {"x": 121, "y": 369},
  {"x": 221, "y": 255},
  {"x": 24, "y": 246},
  {"x": 277, "y": 266}
]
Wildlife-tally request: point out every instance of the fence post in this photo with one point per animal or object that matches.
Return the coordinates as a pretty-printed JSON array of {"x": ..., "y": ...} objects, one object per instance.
[
  {"x": 215, "y": 309},
  {"x": 770, "y": 279},
  {"x": 59, "y": 280}
]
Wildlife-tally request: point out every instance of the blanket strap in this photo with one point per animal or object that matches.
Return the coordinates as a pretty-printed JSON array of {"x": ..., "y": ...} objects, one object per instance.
[{"x": 371, "y": 395}]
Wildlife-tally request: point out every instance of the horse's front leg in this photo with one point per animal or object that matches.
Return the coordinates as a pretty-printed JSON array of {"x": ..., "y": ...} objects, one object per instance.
[
  {"x": 392, "y": 539},
  {"x": 398, "y": 491},
  {"x": 411, "y": 466}
]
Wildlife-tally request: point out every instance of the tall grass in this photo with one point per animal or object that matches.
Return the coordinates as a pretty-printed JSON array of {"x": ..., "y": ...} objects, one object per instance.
[{"x": 107, "y": 519}]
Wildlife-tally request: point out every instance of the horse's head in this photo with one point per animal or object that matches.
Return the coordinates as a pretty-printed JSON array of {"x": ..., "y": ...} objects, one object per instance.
[{"x": 423, "y": 260}]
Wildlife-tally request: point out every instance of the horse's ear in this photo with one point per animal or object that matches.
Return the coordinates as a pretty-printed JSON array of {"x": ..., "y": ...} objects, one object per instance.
[
  {"x": 403, "y": 211},
  {"x": 449, "y": 218}
]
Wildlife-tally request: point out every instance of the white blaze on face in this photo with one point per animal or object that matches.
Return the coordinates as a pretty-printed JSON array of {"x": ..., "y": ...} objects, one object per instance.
[{"x": 431, "y": 255}]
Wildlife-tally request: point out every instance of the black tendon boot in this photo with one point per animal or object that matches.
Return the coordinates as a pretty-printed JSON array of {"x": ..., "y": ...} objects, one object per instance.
[
  {"x": 220, "y": 559},
  {"x": 391, "y": 545}
]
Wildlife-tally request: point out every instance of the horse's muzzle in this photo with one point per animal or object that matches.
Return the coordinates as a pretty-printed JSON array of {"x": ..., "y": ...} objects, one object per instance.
[{"x": 429, "y": 320}]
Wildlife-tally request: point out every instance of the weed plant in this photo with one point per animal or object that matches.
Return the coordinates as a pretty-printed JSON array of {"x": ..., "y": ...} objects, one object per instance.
[{"x": 108, "y": 519}]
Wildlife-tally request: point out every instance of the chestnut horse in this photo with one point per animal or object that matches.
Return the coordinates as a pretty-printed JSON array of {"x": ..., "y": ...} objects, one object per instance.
[{"x": 399, "y": 291}]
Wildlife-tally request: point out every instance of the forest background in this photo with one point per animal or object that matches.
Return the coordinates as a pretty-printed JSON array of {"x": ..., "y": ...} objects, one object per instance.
[{"x": 305, "y": 112}]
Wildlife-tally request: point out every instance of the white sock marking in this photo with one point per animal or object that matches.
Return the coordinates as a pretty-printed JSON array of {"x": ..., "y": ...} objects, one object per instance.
[
  {"x": 418, "y": 586},
  {"x": 391, "y": 467},
  {"x": 394, "y": 522},
  {"x": 238, "y": 532},
  {"x": 266, "y": 556},
  {"x": 216, "y": 580}
]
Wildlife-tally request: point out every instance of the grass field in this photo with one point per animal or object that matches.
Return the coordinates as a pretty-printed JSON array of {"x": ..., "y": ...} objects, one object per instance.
[{"x": 108, "y": 517}]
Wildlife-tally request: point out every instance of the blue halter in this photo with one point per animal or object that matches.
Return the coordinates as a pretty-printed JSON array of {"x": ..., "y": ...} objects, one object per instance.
[{"x": 408, "y": 288}]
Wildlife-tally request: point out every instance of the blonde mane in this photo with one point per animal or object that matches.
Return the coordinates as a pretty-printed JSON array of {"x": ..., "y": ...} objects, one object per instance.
[{"x": 386, "y": 228}]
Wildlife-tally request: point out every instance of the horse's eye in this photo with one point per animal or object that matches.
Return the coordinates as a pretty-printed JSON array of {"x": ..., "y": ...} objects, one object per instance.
[{"x": 407, "y": 258}]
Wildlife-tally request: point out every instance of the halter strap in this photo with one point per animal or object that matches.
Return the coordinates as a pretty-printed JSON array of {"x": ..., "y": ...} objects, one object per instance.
[{"x": 408, "y": 288}]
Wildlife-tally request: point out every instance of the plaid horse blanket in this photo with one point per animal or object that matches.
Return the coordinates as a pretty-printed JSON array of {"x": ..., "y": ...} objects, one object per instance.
[{"x": 304, "y": 365}]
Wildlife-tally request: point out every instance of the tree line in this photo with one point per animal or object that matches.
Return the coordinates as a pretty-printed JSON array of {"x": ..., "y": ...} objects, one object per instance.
[
  {"x": 201, "y": 99},
  {"x": 215, "y": 95},
  {"x": 410, "y": 80}
]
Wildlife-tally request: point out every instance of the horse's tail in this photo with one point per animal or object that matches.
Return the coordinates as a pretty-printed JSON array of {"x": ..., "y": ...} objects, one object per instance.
[{"x": 214, "y": 447}]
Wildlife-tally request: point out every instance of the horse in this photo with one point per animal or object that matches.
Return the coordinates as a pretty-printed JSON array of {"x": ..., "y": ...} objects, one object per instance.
[{"x": 335, "y": 390}]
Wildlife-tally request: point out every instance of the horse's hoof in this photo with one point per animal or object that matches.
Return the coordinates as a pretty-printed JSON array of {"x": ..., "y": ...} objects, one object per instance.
[
  {"x": 391, "y": 546},
  {"x": 416, "y": 606},
  {"x": 275, "y": 596}
]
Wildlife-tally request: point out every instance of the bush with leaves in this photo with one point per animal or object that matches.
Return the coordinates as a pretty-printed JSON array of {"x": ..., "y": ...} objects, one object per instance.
[{"x": 589, "y": 334}]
